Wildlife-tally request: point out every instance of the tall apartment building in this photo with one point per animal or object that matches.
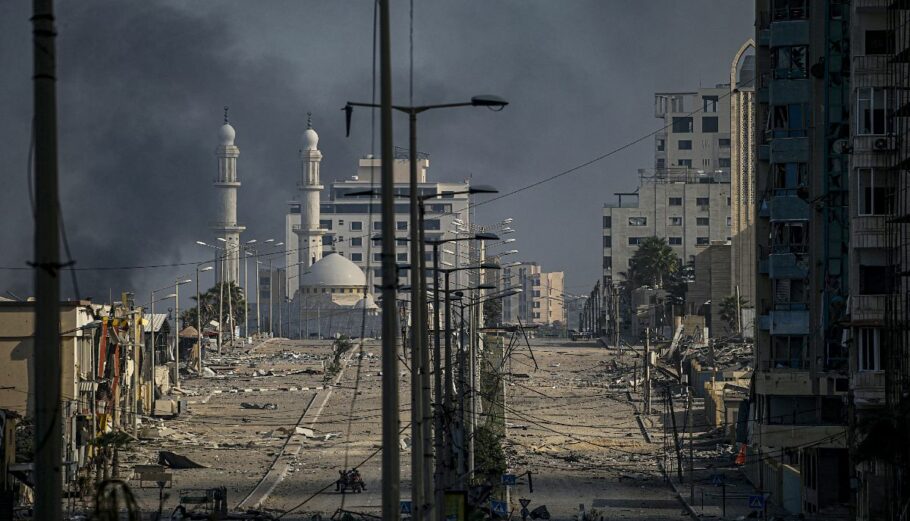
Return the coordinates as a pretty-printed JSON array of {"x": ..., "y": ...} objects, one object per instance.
[
  {"x": 878, "y": 246},
  {"x": 542, "y": 297},
  {"x": 697, "y": 129},
  {"x": 798, "y": 448},
  {"x": 689, "y": 208},
  {"x": 742, "y": 172},
  {"x": 321, "y": 220}
]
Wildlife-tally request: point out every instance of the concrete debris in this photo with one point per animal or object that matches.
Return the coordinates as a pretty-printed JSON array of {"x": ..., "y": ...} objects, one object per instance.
[
  {"x": 305, "y": 432},
  {"x": 266, "y": 406}
]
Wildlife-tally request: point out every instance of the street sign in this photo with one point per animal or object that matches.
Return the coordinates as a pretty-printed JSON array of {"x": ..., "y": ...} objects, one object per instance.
[
  {"x": 717, "y": 480},
  {"x": 757, "y": 502},
  {"x": 524, "y": 502},
  {"x": 405, "y": 507},
  {"x": 499, "y": 507},
  {"x": 509, "y": 479}
]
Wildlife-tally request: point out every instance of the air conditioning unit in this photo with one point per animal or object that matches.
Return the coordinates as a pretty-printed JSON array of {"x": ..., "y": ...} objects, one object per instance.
[{"x": 883, "y": 143}]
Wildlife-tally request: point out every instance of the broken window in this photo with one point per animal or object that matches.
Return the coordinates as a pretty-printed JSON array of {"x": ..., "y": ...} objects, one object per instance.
[
  {"x": 682, "y": 125},
  {"x": 788, "y": 352},
  {"x": 788, "y": 237},
  {"x": 789, "y": 62},
  {"x": 638, "y": 221},
  {"x": 789, "y": 176},
  {"x": 791, "y": 120}
]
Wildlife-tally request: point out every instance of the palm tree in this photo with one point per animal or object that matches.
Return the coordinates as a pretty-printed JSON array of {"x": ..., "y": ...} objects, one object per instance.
[
  {"x": 209, "y": 304},
  {"x": 652, "y": 262}
]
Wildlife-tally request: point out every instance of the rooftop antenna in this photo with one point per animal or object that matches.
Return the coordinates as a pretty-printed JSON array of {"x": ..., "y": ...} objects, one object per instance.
[{"x": 309, "y": 120}]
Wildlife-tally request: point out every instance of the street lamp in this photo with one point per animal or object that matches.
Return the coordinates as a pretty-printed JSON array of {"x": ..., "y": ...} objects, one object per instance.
[
  {"x": 177, "y": 284},
  {"x": 419, "y": 467},
  {"x": 199, "y": 316}
]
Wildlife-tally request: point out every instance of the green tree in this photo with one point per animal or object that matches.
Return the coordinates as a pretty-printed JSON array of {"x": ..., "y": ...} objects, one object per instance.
[
  {"x": 210, "y": 303},
  {"x": 653, "y": 262}
]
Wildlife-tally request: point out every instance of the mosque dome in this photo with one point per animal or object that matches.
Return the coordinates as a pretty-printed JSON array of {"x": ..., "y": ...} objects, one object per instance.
[
  {"x": 334, "y": 270},
  {"x": 226, "y": 134}
]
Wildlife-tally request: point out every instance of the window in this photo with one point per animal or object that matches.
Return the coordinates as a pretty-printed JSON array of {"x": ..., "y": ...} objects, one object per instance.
[
  {"x": 660, "y": 163},
  {"x": 876, "y": 192},
  {"x": 709, "y": 124},
  {"x": 638, "y": 221},
  {"x": 791, "y": 120},
  {"x": 357, "y": 257},
  {"x": 325, "y": 224},
  {"x": 684, "y": 162},
  {"x": 607, "y": 221},
  {"x": 701, "y": 221},
  {"x": 709, "y": 104},
  {"x": 401, "y": 225},
  {"x": 402, "y": 257},
  {"x": 729, "y": 221},
  {"x": 723, "y": 142},
  {"x": 356, "y": 226},
  {"x": 875, "y": 280},
  {"x": 879, "y": 42},
  {"x": 788, "y": 352},
  {"x": 685, "y": 144},
  {"x": 377, "y": 225},
  {"x": 790, "y": 9},
  {"x": 377, "y": 273},
  {"x": 401, "y": 242},
  {"x": 682, "y": 125},
  {"x": 702, "y": 241},
  {"x": 328, "y": 240},
  {"x": 608, "y": 241},
  {"x": 675, "y": 201},
  {"x": 676, "y": 221},
  {"x": 675, "y": 241},
  {"x": 661, "y": 145},
  {"x": 634, "y": 241},
  {"x": 703, "y": 201},
  {"x": 868, "y": 346},
  {"x": 608, "y": 262},
  {"x": 788, "y": 237},
  {"x": 340, "y": 222},
  {"x": 377, "y": 257},
  {"x": 723, "y": 162},
  {"x": 789, "y": 176},
  {"x": 789, "y": 62},
  {"x": 537, "y": 304},
  {"x": 873, "y": 111},
  {"x": 377, "y": 241},
  {"x": 357, "y": 241},
  {"x": 431, "y": 224}
]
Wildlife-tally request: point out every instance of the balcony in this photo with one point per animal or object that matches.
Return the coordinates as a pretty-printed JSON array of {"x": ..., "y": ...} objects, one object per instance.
[
  {"x": 787, "y": 266},
  {"x": 789, "y": 32},
  {"x": 869, "y": 308},
  {"x": 789, "y": 322},
  {"x": 790, "y": 150},
  {"x": 868, "y": 231},
  {"x": 820, "y": 436},
  {"x": 788, "y": 208},
  {"x": 868, "y": 388},
  {"x": 871, "y": 71},
  {"x": 789, "y": 382},
  {"x": 790, "y": 91},
  {"x": 872, "y": 5}
]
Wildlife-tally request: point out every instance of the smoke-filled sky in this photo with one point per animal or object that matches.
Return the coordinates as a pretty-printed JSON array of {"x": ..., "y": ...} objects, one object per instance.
[{"x": 142, "y": 85}]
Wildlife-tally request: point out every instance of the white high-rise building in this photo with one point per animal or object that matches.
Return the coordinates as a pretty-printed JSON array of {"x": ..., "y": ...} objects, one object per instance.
[{"x": 226, "y": 183}]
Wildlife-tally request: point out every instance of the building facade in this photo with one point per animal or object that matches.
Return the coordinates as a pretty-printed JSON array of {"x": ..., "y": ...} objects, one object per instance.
[
  {"x": 542, "y": 299},
  {"x": 798, "y": 445},
  {"x": 688, "y": 208}
]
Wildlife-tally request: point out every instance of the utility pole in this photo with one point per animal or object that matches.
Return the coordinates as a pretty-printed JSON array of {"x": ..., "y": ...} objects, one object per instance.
[
  {"x": 417, "y": 347},
  {"x": 690, "y": 415},
  {"x": 739, "y": 312},
  {"x": 391, "y": 493},
  {"x": 647, "y": 370},
  {"x": 48, "y": 428},
  {"x": 679, "y": 462},
  {"x": 177, "y": 333}
]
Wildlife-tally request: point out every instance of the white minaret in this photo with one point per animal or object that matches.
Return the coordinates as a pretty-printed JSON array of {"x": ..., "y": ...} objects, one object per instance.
[
  {"x": 309, "y": 234},
  {"x": 227, "y": 183}
]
